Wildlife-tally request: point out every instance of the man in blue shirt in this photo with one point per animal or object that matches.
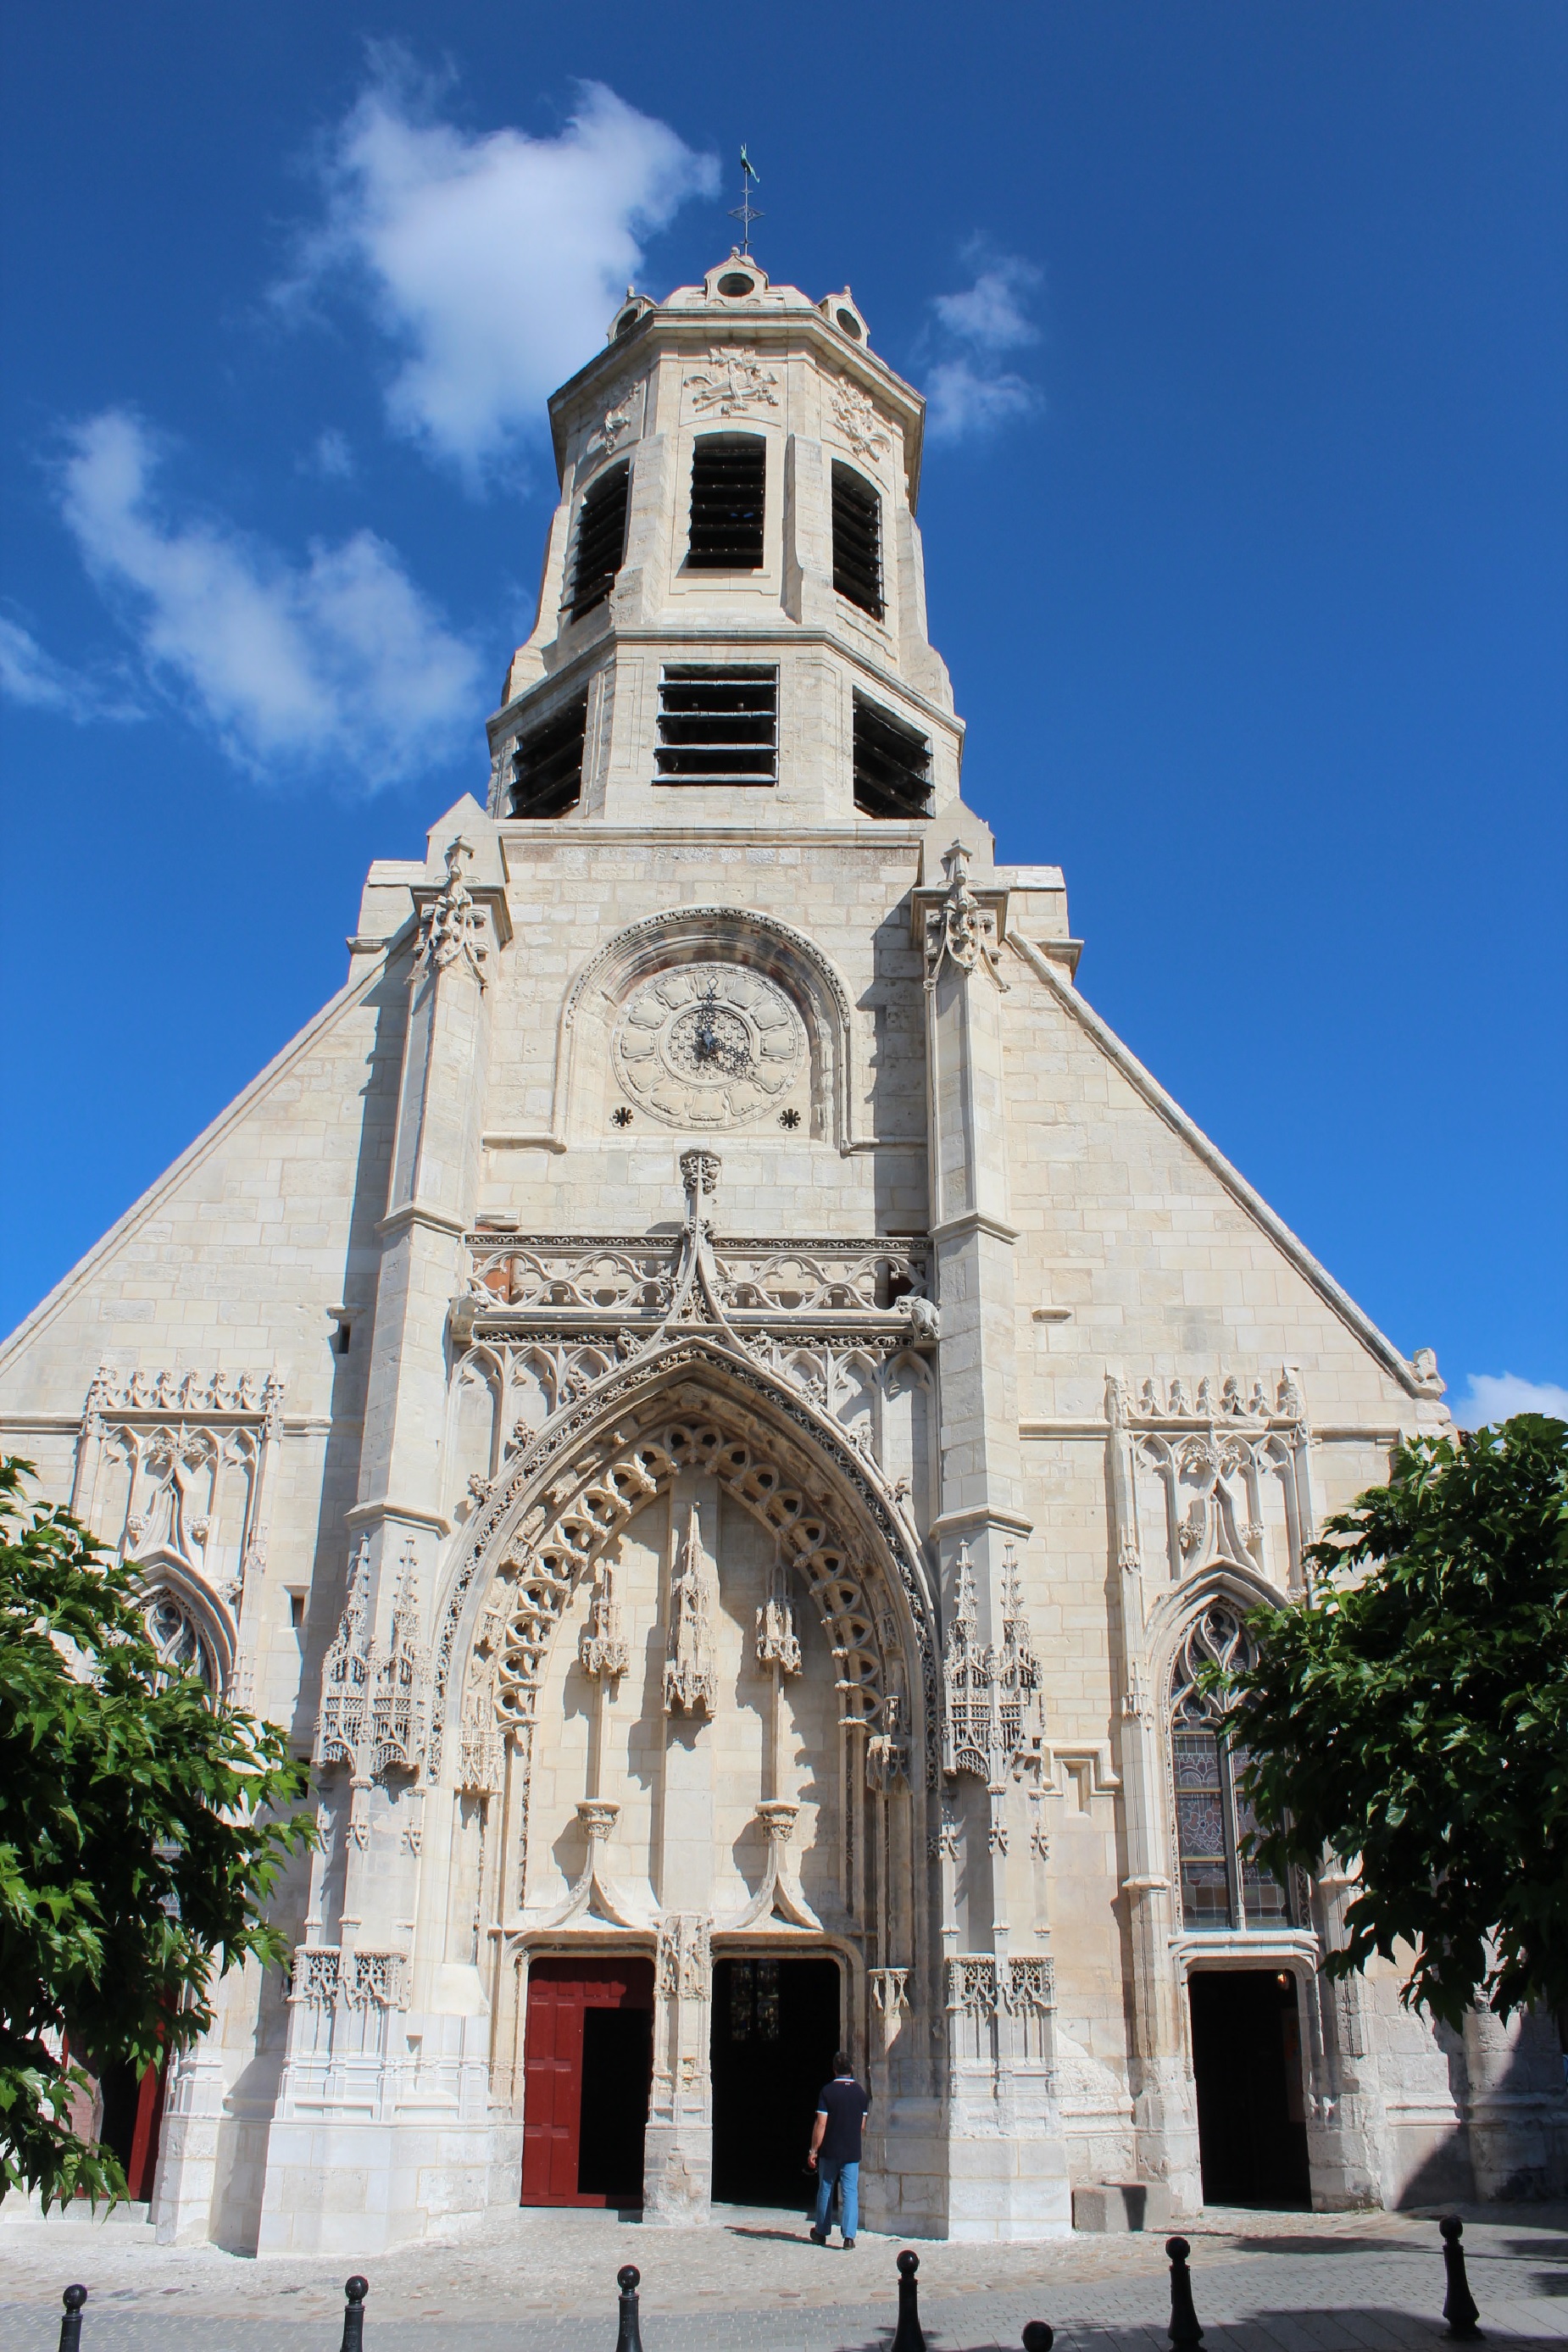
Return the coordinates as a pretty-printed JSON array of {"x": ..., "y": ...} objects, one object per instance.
[{"x": 835, "y": 2152}]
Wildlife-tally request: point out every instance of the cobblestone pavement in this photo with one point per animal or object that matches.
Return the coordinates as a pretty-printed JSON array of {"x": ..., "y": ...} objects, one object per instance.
[{"x": 544, "y": 2282}]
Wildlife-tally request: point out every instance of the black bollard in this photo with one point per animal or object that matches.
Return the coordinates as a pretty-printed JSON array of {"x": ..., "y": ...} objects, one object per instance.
[
  {"x": 70, "y": 2326},
  {"x": 1458, "y": 2305},
  {"x": 1183, "y": 2330},
  {"x": 907, "y": 2336},
  {"x": 354, "y": 2293},
  {"x": 628, "y": 2335},
  {"x": 1037, "y": 2336}
]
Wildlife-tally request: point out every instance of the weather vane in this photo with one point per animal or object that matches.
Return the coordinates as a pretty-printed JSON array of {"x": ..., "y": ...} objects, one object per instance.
[{"x": 745, "y": 211}]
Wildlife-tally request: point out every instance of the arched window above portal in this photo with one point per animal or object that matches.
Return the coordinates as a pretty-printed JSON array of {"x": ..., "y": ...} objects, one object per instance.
[
  {"x": 1223, "y": 1885},
  {"x": 183, "y": 1644}
]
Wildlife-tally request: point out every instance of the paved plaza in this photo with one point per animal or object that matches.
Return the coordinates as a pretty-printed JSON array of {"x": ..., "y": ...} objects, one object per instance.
[{"x": 540, "y": 2281}]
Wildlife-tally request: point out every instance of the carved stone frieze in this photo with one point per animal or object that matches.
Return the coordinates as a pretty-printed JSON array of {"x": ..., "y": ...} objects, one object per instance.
[
  {"x": 1029, "y": 1986},
  {"x": 972, "y": 1987},
  {"x": 325, "y": 1978},
  {"x": 552, "y": 1276},
  {"x": 621, "y": 420},
  {"x": 858, "y": 421},
  {"x": 256, "y": 1396},
  {"x": 1238, "y": 1397},
  {"x": 733, "y": 382}
]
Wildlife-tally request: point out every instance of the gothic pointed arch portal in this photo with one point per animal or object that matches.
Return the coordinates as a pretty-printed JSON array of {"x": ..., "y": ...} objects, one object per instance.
[{"x": 687, "y": 1703}]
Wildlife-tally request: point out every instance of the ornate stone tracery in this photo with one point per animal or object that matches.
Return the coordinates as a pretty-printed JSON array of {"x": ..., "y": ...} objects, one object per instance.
[
  {"x": 992, "y": 1724},
  {"x": 175, "y": 1471},
  {"x": 374, "y": 1693}
]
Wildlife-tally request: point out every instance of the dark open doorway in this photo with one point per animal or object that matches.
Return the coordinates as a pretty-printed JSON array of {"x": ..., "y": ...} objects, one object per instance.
[
  {"x": 1246, "y": 2056},
  {"x": 131, "y": 2121},
  {"x": 587, "y": 2065},
  {"x": 776, "y": 2029}
]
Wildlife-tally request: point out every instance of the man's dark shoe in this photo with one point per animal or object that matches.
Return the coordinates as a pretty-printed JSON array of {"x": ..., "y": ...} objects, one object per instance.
[
  {"x": 819, "y": 2237},
  {"x": 849, "y": 2245}
]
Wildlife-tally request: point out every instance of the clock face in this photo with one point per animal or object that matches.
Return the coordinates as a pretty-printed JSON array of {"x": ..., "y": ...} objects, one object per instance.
[{"x": 708, "y": 1046}]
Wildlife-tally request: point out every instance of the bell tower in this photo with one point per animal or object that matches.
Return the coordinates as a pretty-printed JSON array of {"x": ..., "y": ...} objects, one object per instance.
[{"x": 732, "y": 626}]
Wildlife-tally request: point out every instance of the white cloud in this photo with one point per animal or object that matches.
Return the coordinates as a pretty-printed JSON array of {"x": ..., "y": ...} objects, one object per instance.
[
  {"x": 494, "y": 261},
  {"x": 330, "y": 457},
  {"x": 989, "y": 315},
  {"x": 961, "y": 404},
  {"x": 32, "y": 676},
  {"x": 967, "y": 393},
  {"x": 339, "y": 661},
  {"x": 1496, "y": 1396}
]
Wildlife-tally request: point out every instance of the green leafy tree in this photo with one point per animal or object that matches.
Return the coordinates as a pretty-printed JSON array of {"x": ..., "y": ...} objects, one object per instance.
[
  {"x": 1412, "y": 1717},
  {"x": 142, "y": 1831}
]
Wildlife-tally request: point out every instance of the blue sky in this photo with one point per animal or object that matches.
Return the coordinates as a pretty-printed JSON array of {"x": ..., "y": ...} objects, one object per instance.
[{"x": 1245, "y": 516}]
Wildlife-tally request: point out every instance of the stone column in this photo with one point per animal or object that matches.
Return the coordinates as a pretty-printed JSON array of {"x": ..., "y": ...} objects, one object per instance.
[
  {"x": 344, "y": 2168},
  {"x": 437, "y": 1155},
  {"x": 1347, "y": 2139},
  {"x": 1164, "y": 2097},
  {"x": 1006, "y": 2156},
  {"x": 678, "y": 2151},
  {"x": 1517, "y": 2107}
]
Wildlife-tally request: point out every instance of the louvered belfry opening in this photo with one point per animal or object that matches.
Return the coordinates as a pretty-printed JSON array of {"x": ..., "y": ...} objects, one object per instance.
[
  {"x": 729, "y": 480},
  {"x": 601, "y": 540},
  {"x": 547, "y": 766},
  {"x": 857, "y": 540},
  {"x": 718, "y": 724},
  {"x": 892, "y": 764}
]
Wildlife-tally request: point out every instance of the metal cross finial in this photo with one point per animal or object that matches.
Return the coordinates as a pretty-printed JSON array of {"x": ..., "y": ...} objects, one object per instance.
[{"x": 745, "y": 211}]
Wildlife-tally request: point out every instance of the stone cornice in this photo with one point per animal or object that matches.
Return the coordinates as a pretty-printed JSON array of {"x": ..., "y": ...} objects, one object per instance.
[
  {"x": 381, "y": 1506},
  {"x": 981, "y": 1514},
  {"x": 592, "y": 656},
  {"x": 974, "y": 1221},
  {"x": 699, "y": 328}
]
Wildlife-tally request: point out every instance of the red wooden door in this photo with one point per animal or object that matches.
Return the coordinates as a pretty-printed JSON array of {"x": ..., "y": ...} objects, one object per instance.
[{"x": 560, "y": 1994}]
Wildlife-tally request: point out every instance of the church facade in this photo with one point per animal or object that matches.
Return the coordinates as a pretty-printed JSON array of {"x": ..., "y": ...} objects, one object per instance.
[{"x": 726, "y": 1412}]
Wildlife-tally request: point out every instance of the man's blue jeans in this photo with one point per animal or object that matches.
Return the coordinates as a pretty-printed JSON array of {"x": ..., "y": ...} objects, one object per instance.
[{"x": 847, "y": 2176}]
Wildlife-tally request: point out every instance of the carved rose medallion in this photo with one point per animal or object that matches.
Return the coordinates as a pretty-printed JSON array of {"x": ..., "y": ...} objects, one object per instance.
[{"x": 708, "y": 1046}]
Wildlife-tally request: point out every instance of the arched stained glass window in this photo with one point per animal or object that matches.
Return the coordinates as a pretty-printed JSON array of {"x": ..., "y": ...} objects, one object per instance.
[
  {"x": 178, "y": 1639},
  {"x": 1222, "y": 1886}
]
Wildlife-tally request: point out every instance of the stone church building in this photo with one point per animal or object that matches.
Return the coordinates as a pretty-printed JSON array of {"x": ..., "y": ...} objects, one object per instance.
[{"x": 725, "y": 1411}]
